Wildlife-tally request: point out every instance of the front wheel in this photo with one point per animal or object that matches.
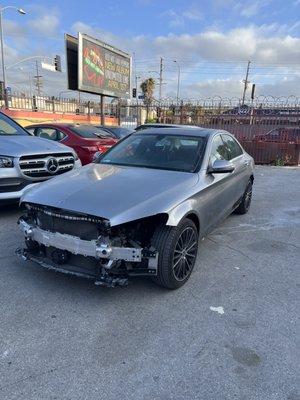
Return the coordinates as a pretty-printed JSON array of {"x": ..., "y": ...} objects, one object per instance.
[
  {"x": 177, "y": 251},
  {"x": 244, "y": 206}
]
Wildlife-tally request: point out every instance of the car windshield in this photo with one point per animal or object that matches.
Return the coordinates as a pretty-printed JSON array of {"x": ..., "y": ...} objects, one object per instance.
[
  {"x": 8, "y": 127},
  {"x": 160, "y": 151},
  {"x": 89, "y": 131}
]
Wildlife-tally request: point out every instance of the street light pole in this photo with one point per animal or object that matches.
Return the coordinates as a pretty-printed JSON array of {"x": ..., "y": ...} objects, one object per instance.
[
  {"x": 178, "y": 79},
  {"x": 2, "y": 58},
  {"x": 22, "y": 12}
]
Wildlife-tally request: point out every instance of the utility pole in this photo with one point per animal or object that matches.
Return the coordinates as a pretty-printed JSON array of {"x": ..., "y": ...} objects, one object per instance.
[
  {"x": 178, "y": 80},
  {"x": 160, "y": 79},
  {"x": 30, "y": 87},
  {"x": 246, "y": 82},
  {"x": 38, "y": 82}
]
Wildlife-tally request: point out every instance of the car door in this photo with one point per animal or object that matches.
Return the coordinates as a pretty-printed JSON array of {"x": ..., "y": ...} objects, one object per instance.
[
  {"x": 219, "y": 194},
  {"x": 241, "y": 165}
]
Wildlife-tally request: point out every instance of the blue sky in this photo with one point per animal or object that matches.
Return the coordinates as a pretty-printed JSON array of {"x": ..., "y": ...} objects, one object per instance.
[{"x": 211, "y": 41}]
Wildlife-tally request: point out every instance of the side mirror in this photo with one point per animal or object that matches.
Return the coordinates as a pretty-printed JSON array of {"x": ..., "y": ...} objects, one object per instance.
[{"x": 221, "y": 167}]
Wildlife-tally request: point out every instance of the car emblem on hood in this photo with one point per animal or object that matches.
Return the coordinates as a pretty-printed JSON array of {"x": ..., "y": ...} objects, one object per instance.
[{"x": 52, "y": 165}]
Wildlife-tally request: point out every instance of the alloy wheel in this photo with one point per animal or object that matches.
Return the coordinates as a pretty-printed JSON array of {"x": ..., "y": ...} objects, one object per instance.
[{"x": 185, "y": 253}]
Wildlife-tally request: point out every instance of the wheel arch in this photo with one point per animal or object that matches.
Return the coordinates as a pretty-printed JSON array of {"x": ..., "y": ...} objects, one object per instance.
[
  {"x": 194, "y": 218},
  {"x": 184, "y": 210}
]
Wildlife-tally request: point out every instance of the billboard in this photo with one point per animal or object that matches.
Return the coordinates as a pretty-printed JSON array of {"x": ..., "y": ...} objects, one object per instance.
[
  {"x": 103, "y": 69},
  {"x": 72, "y": 61}
]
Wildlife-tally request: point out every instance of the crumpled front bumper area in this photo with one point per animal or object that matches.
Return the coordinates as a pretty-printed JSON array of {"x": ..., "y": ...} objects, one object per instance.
[{"x": 107, "y": 265}]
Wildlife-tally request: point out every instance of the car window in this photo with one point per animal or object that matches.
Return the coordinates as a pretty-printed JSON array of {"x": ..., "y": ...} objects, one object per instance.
[
  {"x": 218, "y": 150},
  {"x": 30, "y": 130},
  {"x": 60, "y": 135},
  {"x": 234, "y": 149},
  {"x": 48, "y": 133},
  {"x": 9, "y": 127},
  {"x": 89, "y": 131},
  {"x": 160, "y": 151}
]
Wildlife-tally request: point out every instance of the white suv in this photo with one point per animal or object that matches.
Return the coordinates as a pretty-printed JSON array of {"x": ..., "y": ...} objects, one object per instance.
[{"x": 26, "y": 160}]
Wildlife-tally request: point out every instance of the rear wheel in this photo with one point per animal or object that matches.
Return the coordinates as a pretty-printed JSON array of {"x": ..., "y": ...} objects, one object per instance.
[
  {"x": 244, "y": 206},
  {"x": 177, "y": 248}
]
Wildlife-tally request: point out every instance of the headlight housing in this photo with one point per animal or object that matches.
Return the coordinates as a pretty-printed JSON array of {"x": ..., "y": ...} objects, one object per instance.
[{"x": 6, "y": 162}]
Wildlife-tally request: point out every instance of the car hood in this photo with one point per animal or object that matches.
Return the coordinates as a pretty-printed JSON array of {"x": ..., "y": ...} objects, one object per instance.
[
  {"x": 18, "y": 145},
  {"x": 119, "y": 194}
]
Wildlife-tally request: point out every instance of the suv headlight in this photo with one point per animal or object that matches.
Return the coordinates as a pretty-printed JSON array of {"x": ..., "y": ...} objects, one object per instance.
[{"x": 6, "y": 162}]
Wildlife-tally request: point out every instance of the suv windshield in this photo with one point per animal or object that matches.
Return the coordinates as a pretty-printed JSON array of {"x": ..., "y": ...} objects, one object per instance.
[
  {"x": 8, "y": 127},
  {"x": 89, "y": 131},
  {"x": 160, "y": 151}
]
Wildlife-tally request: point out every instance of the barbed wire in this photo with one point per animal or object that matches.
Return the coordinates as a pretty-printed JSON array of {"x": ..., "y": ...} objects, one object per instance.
[{"x": 216, "y": 101}]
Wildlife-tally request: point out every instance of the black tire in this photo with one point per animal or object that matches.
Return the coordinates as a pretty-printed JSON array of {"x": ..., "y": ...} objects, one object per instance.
[
  {"x": 168, "y": 240},
  {"x": 244, "y": 206}
]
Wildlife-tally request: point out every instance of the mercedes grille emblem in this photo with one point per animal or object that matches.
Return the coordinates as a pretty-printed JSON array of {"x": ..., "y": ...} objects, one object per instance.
[{"x": 52, "y": 165}]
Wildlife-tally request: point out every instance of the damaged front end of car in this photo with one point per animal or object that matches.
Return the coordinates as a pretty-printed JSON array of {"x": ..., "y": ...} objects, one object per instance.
[{"x": 88, "y": 246}]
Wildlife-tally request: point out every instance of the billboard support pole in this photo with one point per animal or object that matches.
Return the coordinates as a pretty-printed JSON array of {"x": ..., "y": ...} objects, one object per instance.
[{"x": 102, "y": 109}]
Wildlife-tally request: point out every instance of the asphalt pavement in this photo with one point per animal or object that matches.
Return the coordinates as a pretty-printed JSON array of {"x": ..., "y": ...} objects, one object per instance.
[{"x": 229, "y": 333}]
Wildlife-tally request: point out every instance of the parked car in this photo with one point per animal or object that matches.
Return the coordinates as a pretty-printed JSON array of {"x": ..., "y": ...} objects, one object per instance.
[
  {"x": 26, "y": 160},
  {"x": 286, "y": 134},
  {"x": 158, "y": 125},
  {"x": 141, "y": 210},
  {"x": 117, "y": 132},
  {"x": 86, "y": 140}
]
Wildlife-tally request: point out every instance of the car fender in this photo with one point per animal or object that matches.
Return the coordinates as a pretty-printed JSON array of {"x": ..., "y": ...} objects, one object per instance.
[{"x": 181, "y": 211}]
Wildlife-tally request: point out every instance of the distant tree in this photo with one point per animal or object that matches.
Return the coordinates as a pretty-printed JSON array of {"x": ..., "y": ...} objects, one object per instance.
[{"x": 147, "y": 88}]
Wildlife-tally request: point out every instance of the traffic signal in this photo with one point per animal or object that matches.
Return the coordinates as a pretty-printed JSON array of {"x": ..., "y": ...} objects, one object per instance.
[
  {"x": 253, "y": 91},
  {"x": 134, "y": 93},
  {"x": 57, "y": 63}
]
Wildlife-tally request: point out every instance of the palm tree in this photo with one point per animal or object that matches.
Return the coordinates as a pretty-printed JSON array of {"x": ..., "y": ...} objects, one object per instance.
[{"x": 147, "y": 88}]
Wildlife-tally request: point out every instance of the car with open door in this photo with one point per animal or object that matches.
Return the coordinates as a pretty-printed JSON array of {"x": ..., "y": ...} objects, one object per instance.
[{"x": 141, "y": 209}]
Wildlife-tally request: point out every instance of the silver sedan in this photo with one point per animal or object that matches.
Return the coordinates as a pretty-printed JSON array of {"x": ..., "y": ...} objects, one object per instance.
[{"x": 141, "y": 209}]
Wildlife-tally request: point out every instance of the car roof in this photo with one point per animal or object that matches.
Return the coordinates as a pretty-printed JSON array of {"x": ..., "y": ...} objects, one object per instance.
[
  {"x": 158, "y": 125},
  {"x": 59, "y": 124},
  {"x": 110, "y": 126},
  {"x": 181, "y": 130}
]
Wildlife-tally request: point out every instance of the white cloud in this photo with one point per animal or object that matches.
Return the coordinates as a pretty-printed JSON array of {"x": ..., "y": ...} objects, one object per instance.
[
  {"x": 175, "y": 19},
  {"x": 47, "y": 24},
  {"x": 193, "y": 13},
  {"x": 236, "y": 44}
]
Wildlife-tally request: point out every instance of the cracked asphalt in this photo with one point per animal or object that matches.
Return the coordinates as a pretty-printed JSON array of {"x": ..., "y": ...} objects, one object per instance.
[{"x": 63, "y": 338}]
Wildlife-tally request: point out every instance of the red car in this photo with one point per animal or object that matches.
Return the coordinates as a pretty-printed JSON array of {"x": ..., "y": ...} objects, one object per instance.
[
  {"x": 286, "y": 134},
  {"x": 86, "y": 140}
]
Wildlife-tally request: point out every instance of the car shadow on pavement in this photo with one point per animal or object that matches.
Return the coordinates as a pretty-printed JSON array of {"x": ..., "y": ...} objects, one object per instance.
[{"x": 8, "y": 209}]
